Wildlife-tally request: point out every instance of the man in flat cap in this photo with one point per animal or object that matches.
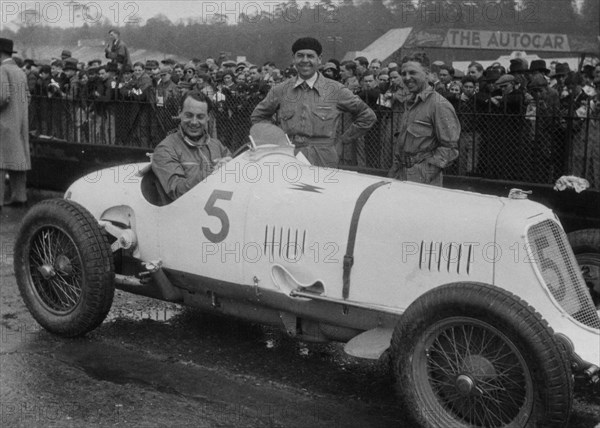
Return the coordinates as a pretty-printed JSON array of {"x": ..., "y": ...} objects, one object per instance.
[
  {"x": 14, "y": 126},
  {"x": 310, "y": 107}
]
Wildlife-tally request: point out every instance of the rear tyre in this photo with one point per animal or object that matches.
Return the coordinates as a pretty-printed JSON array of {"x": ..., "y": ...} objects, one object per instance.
[
  {"x": 64, "y": 268},
  {"x": 586, "y": 246},
  {"x": 475, "y": 355}
]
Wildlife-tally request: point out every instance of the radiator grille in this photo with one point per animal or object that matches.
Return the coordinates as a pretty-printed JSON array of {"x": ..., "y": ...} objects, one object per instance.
[{"x": 560, "y": 271}]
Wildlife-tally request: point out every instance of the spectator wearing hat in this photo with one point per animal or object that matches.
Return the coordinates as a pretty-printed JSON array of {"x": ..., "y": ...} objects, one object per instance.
[
  {"x": 15, "y": 158},
  {"x": 65, "y": 54},
  {"x": 557, "y": 80},
  {"x": 72, "y": 91},
  {"x": 74, "y": 113},
  {"x": 308, "y": 113},
  {"x": 538, "y": 67},
  {"x": 545, "y": 146},
  {"x": 330, "y": 70},
  {"x": 94, "y": 63},
  {"x": 519, "y": 68},
  {"x": 229, "y": 65},
  {"x": 593, "y": 150},
  {"x": 576, "y": 98},
  {"x": 116, "y": 50},
  {"x": 509, "y": 108},
  {"x": 167, "y": 99}
]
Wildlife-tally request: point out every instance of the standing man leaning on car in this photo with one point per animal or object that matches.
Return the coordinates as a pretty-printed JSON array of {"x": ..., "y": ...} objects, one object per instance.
[
  {"x": 310, "y": 107},
  {"x": 429, "y": 129},
  {"x": 186, "y": 157}
]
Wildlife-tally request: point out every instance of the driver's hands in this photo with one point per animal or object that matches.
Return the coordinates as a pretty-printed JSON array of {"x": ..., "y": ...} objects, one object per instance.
[{"x": 219, "y": 162}]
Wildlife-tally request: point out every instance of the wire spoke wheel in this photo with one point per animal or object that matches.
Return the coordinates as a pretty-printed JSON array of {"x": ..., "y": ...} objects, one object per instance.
[
  {"x": 64, "y": 267},
  {"x": 56, "y": 269},
  {"x": 474, "y": 372},
  {"x": 474, "y": 355}
]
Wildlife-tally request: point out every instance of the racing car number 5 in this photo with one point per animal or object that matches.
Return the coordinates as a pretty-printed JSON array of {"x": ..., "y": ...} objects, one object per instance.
[{"x": 213, "y": 211}]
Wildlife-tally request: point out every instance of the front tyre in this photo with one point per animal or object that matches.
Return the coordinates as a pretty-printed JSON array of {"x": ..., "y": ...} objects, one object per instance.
[
  {"x": 64, "y": 267},
  {"x": 474, "y": 355}
]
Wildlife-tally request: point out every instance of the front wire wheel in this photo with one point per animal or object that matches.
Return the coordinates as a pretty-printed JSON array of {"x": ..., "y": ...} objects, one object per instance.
[
  {"x": 475, "y": 372},
  {"x": 475, "y": 355}
]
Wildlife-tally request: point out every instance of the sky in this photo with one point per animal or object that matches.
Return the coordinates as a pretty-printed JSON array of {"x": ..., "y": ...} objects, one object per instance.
[{"x": 69, "y": 13}]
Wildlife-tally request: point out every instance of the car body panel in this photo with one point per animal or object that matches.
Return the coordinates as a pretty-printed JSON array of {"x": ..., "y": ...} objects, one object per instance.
[{"x": 270, "y": 223}]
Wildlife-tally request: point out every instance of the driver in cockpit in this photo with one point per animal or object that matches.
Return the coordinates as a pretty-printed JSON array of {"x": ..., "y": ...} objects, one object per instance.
[{"x": 186, "y": 157}]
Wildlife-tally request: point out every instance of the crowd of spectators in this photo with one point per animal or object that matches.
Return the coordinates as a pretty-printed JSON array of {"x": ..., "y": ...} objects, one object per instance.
[{"x": 530, "y": 122}]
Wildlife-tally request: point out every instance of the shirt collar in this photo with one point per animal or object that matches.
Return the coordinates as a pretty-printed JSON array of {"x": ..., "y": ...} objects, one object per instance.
[
  {"x": 203, "y": 141},
  {"x": 7, "y": 60},
  {"x": 310, "y": 82},
  {"x": 422, "y": 96}
]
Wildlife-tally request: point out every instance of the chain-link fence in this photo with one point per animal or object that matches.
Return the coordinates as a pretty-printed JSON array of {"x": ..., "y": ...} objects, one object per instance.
[{"x": 530, "y": 147}]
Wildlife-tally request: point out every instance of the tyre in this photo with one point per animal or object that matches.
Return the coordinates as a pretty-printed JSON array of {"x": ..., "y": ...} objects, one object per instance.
[
  {"x": 64, "y": 268},
  {"x": 474, "y": 355},
  {"x": 586, "y": 246}
]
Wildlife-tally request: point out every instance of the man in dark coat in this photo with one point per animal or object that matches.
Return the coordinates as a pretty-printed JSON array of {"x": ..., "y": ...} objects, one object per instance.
[
  {"x": 14, "y": 126},
  {"x": 116, "y": 50}
]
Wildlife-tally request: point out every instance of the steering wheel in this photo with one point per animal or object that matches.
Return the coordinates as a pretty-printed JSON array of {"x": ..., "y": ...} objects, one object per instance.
[
  {"x": 241, "y": 150},
  {"x": 249, "y": 145}
]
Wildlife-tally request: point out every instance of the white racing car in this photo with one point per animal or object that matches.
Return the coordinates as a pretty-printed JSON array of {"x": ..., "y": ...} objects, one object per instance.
[{"x": 479, "y": 299}]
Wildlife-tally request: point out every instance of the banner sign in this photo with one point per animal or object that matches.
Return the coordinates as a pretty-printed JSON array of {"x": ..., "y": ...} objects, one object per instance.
[{"x": 506, "y": 40}]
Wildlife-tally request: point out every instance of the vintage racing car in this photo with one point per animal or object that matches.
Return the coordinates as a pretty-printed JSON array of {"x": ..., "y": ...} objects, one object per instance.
[{"x": 478, "y": 299}]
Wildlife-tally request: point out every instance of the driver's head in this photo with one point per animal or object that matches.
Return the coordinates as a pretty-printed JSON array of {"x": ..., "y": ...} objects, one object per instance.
[{"x": 195, "y": 108}]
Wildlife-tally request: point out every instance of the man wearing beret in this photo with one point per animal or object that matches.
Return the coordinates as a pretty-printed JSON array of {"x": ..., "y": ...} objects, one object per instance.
[
  {"x": 310, "y": 106},
  {"x": 14, "y": 126}
]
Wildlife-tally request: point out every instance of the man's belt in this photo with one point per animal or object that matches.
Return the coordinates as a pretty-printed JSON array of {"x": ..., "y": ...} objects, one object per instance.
[
  {"x": 300, "y": 142},
  {"x": 408, "y": 160}
]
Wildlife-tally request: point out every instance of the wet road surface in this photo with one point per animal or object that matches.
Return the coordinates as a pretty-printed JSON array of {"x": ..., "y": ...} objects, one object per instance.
[{"x": 153, "y": 364}]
